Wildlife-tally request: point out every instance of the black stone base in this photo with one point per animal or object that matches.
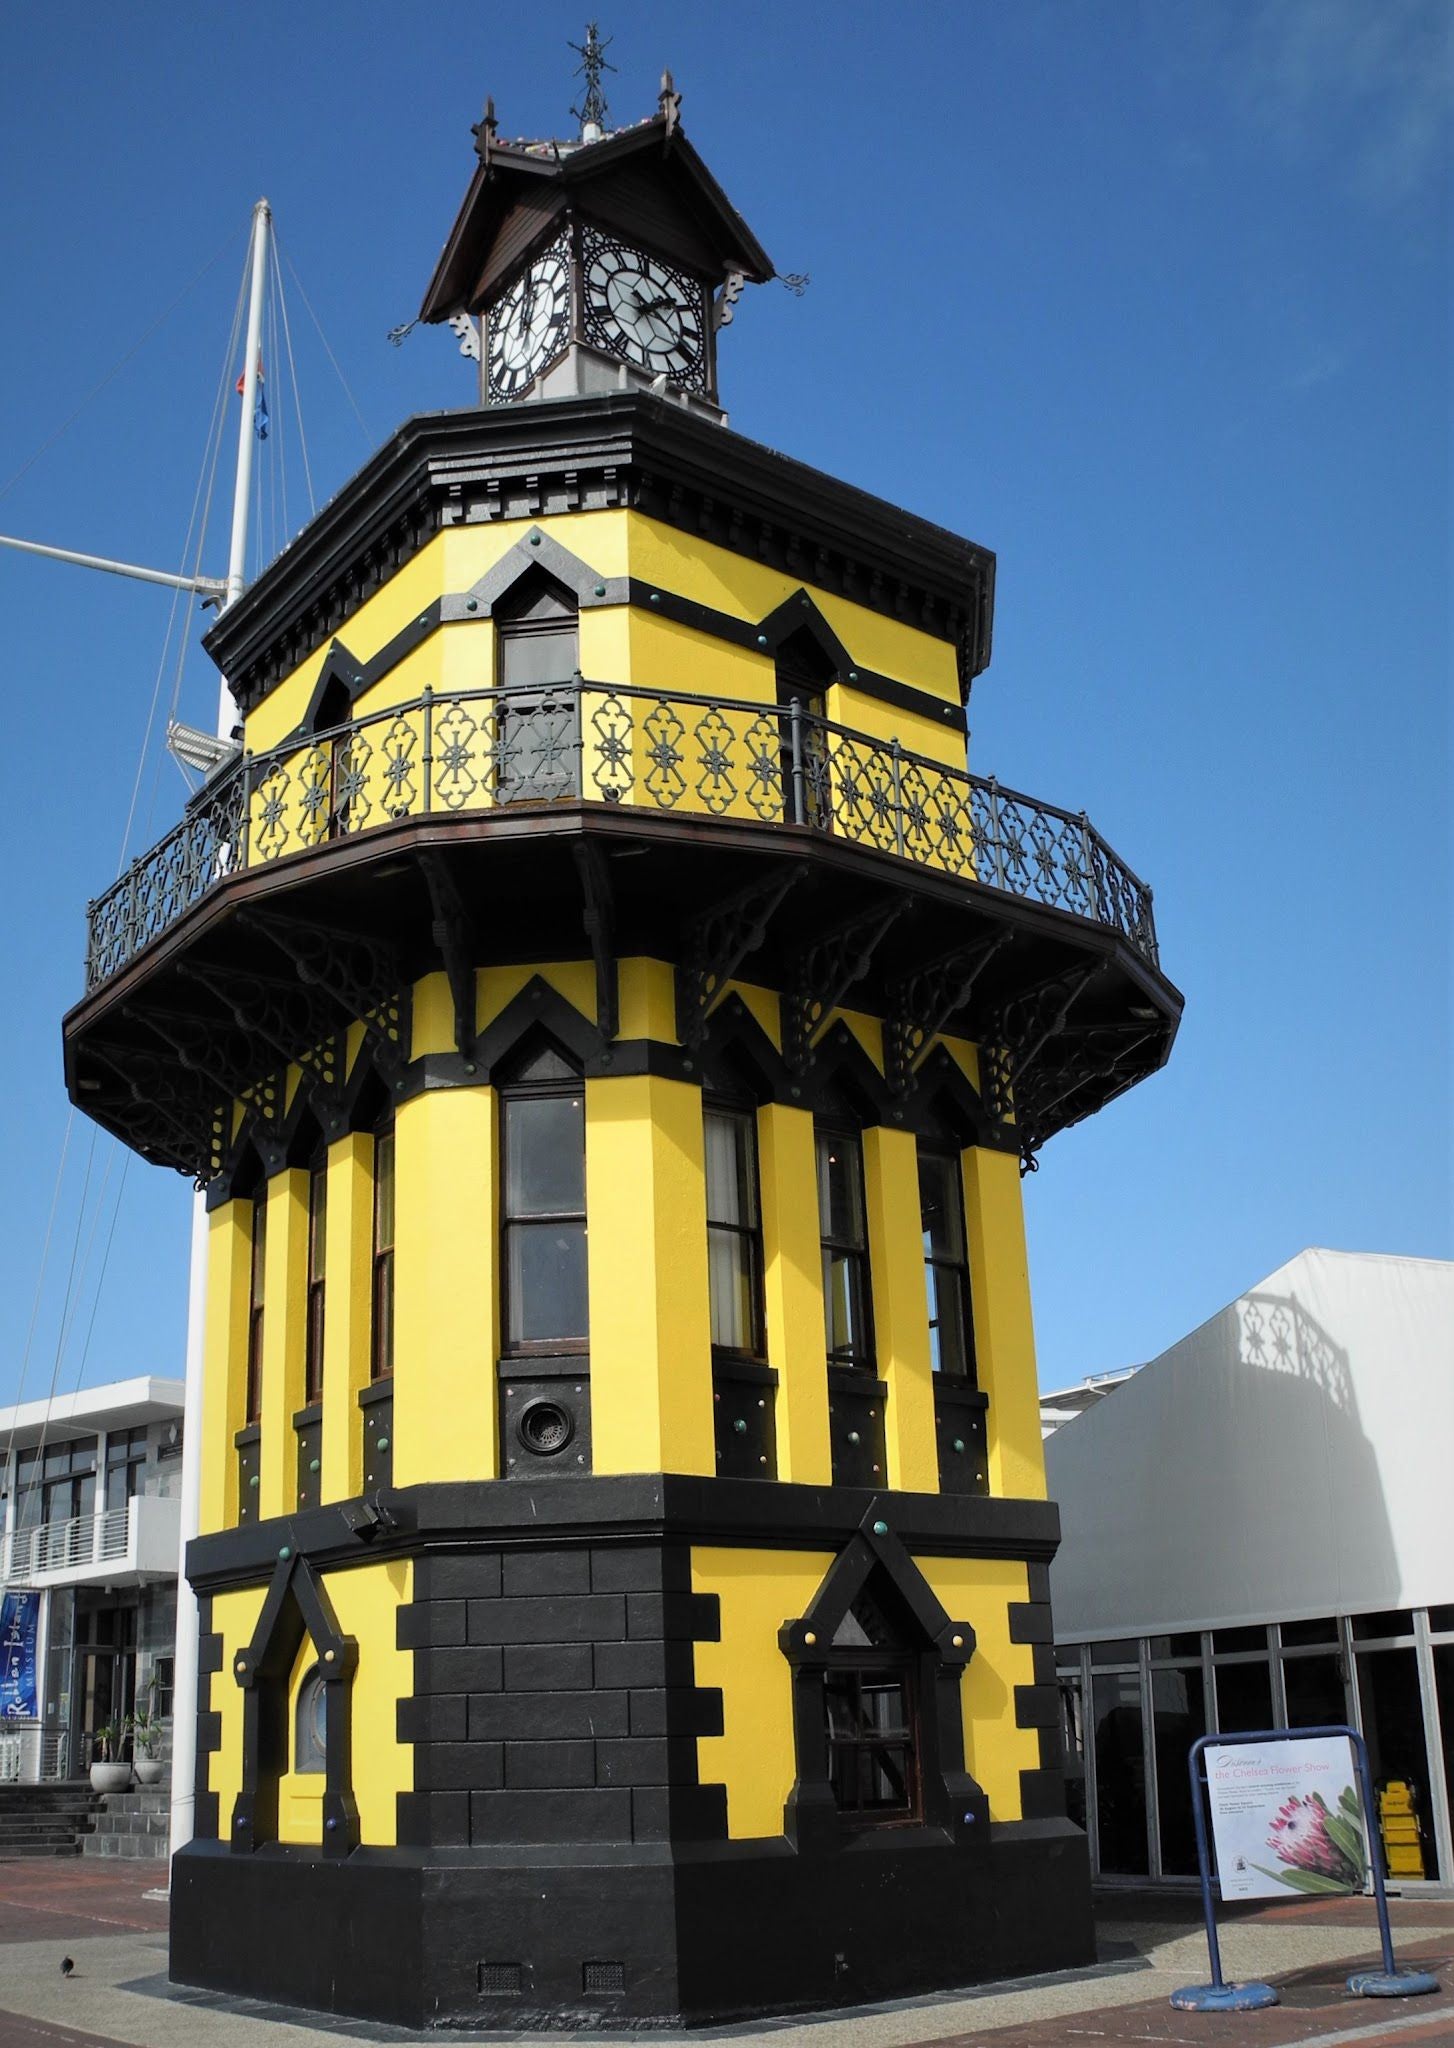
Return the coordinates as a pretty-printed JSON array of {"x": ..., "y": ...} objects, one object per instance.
[{"x": 630, "y": 1938}]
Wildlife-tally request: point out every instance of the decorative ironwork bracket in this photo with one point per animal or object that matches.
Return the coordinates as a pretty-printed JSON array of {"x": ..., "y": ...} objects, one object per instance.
[
  {"x": 598, "y": 920},
  {"x": 284, "y": 1023},
  {"x": 453, "y": 935},
  {"x": 228, "y": 1059},
  {"x": 1017, "y": 1035},
  {"x": 353, "y": 971},
  {"x": 196, "y": 1126},
  {"x": 924, "y": 1003},
  {"x": 725, "y": 935},
  {"x": 825, "y": 974}
]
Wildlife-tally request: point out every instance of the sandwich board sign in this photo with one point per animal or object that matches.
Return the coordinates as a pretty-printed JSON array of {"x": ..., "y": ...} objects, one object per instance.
[{"x": 1287, "y": 1817}]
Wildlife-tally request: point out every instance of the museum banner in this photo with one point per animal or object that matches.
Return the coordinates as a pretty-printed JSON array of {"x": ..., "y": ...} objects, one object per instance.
[
  {"x": 1287, "y": 1817},
  {"x": 19, "y": 1619}
]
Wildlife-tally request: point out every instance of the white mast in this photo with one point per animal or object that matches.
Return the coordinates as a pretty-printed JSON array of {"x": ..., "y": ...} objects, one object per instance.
[
  {"x": 184, "y": 1670},
  {"x": 206, "y": 586}
]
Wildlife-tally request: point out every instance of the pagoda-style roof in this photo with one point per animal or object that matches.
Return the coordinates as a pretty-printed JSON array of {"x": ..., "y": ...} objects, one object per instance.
[{"x": 646, "y": 182}]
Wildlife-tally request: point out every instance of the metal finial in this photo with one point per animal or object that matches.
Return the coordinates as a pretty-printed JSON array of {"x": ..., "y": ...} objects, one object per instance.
[
  {"x": 591, "y": 113},
  {"x": 484, "y": 131},
  {"x": 669, "y": 100}
]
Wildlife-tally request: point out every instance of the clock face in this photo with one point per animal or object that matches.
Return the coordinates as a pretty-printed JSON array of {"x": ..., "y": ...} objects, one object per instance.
[
  {"x": 530, "y": 325},
  {"x": 642, "y": 309}
]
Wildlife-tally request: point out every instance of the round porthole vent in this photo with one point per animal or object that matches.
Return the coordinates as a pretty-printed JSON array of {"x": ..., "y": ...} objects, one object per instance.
[{"x": 545, "y": 1428}]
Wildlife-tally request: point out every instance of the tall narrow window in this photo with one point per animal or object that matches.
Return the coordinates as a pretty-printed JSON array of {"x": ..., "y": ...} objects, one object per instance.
[
  {"x": 734, "y": 1233},
  {"x": 845, "y": 1249},
  {"x": 946, "y": 1266},
  {"x": 317, "y": 1255},
  {"x": 537, "y": 736},
  {"x": 255, "y": 1307},
  {"x": 381, "y": 1350},
  {"x": 544, "y": 1212}
]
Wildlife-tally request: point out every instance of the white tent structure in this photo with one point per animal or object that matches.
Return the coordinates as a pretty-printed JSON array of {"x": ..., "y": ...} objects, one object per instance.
[{"x": 1258, "y": 1530}]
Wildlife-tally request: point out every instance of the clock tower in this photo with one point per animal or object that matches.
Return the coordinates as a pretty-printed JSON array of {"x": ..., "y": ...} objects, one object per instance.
[
  {"x": 603, "y": 264},
  {"x": 609, "y": 1021}
]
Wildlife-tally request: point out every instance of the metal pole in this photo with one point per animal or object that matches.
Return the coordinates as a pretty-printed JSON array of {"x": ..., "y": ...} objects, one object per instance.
[
  {"x": 799, "y": 793},
  {"x": 1374, "y": 1834},
  {"x": 205, "y": 586},
  {"x": 184, "y": 1669},
  {"x": 1204, "y": 1861}
]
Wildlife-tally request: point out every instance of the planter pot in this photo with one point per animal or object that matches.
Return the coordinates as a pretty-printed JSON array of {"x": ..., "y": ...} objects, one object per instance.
[
  {"x": 149, "y": 1769},
  {"x": 110, "y": 1777}
]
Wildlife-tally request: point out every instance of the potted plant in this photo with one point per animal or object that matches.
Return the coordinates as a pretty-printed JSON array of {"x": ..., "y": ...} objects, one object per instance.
[
  {"x": 110, "y": 1772},
  {"x": 146, "y": 1744}
]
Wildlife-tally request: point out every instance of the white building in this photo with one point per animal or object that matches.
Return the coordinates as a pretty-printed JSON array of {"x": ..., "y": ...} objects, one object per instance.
[
  {"x": 1258, "y": 1532},
  {"x": 88, "y": 1569}
]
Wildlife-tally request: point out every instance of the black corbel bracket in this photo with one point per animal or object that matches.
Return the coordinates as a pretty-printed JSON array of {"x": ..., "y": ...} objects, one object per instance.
[
  {"x": 724, "y": 937},
  {"x": 597, "y": 916},
  {"x": 825, "y": 974},
  {"x": 924, "y": 1003},
  {"x": 453, "y": 936}
]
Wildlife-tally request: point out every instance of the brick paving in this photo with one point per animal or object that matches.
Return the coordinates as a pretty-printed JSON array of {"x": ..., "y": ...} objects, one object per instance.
[{"x": 99, "y": 1914}]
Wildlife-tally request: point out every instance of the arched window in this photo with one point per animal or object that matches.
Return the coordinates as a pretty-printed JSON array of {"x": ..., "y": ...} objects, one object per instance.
[
  {"x": 317, "y": 1245},
  {"x": 381, "y": 1342},
  {"x": 254, "y": 1404},
  {"x": 310, "y": 1726},
  {"x": 537, "y": 728}
]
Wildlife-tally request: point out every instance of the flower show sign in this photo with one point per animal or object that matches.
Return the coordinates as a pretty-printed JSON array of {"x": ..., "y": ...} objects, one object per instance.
[
  {"x": 1286, "y": 1816},
  {"x": 1300, "y": 1799},
  {"x": 19, "y": 1615}
]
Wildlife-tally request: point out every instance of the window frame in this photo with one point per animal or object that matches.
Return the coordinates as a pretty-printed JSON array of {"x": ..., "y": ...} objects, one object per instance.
[
  {"x": 864, "y": 1664},
  {"x": 522, "y": 1091},
  {"x": 381, "y": 1258},
  {"x": 749, "y": 1234},
  {"x": 522, "y": 702},
  {"x": 863, "y": 1358},
  {"x": 954, "y": 1262}
]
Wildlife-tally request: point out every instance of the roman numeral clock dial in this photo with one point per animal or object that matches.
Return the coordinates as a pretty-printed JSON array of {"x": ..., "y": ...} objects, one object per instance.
[
  {"x": 529, "y": 325},
  {"x": 639, "y": 307}
]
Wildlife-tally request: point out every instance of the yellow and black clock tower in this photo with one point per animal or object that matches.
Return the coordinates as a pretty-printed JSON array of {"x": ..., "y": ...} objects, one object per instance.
[{"x": 609, "y": 1023}]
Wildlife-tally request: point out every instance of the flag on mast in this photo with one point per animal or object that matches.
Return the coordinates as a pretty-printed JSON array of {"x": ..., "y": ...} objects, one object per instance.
[{"x": 260, "y": 405}]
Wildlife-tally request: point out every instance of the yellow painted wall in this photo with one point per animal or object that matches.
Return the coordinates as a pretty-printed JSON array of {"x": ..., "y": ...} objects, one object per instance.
[
  {"x": 365, "y": 1600},
  {"x": 446, "y": 1279},
  {"x": 759, "y": 1590},
  {"x": 651, "y": 1384},
  {"x": 285, "y": 1285},
  {"x": 1004, "y": 1332},
  {"x": 624, "y": 644},
  {"x": 900, "y": 1308},
  {"x": 797, "y": 1345},
  {"x": 980, "y": 1591},
  {"x": 754, "y": 1757},
  {"x": 224, "y": 1398},
  {"x": 347, "y": 1311}
]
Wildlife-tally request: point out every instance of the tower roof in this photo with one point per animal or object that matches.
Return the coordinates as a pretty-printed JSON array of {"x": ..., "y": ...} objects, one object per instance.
[{"x": 646, "y": 180}]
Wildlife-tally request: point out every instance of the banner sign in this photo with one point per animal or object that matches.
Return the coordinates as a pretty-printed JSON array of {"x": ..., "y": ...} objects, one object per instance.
[
  {"x": 19, "y": 1619},
  {"x": 1286, "y": 1817}
]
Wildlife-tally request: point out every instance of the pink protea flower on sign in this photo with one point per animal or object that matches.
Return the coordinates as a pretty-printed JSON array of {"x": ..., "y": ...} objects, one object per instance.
[{"x": 1300, "y": 1836}]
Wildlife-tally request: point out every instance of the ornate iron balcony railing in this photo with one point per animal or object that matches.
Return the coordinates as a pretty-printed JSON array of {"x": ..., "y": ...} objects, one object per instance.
[{"x": 602, "y": 743}]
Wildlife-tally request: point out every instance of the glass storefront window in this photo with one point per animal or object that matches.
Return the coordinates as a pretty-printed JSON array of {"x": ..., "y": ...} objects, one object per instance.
[
  {"x": 1393, "y": 1728},
  {"x": 1316, "y": 1697},
  {"x": 1120, "y": 1774},
  {"x": 1444, "y": 1693},
  {"x": 1233, "y": 1639},
  {"x": 1178, "y": 1717},
  {"x": 1176, "y": 1648},
  {"x": 1126, "y": 1651},
  {"x": 1244, "y": 1696},
  {"x": 1390, "y": 1621},
  {"x": 1322, "y": 1631},
  {"x": 1072, "y": 1747}
]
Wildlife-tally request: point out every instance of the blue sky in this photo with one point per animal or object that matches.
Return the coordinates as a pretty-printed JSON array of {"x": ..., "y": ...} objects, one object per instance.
[{"x": 1154, "y": 301}]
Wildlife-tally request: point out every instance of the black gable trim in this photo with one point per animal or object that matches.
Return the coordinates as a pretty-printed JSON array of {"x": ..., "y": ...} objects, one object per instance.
[{"x": 624, "y": 449}]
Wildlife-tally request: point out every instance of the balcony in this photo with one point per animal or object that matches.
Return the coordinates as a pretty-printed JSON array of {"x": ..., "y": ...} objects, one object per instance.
[
  {"x": 125, "y": 1546},
  {"x": 637, "y": 751},
  {"x": 314, "y": 885}
]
